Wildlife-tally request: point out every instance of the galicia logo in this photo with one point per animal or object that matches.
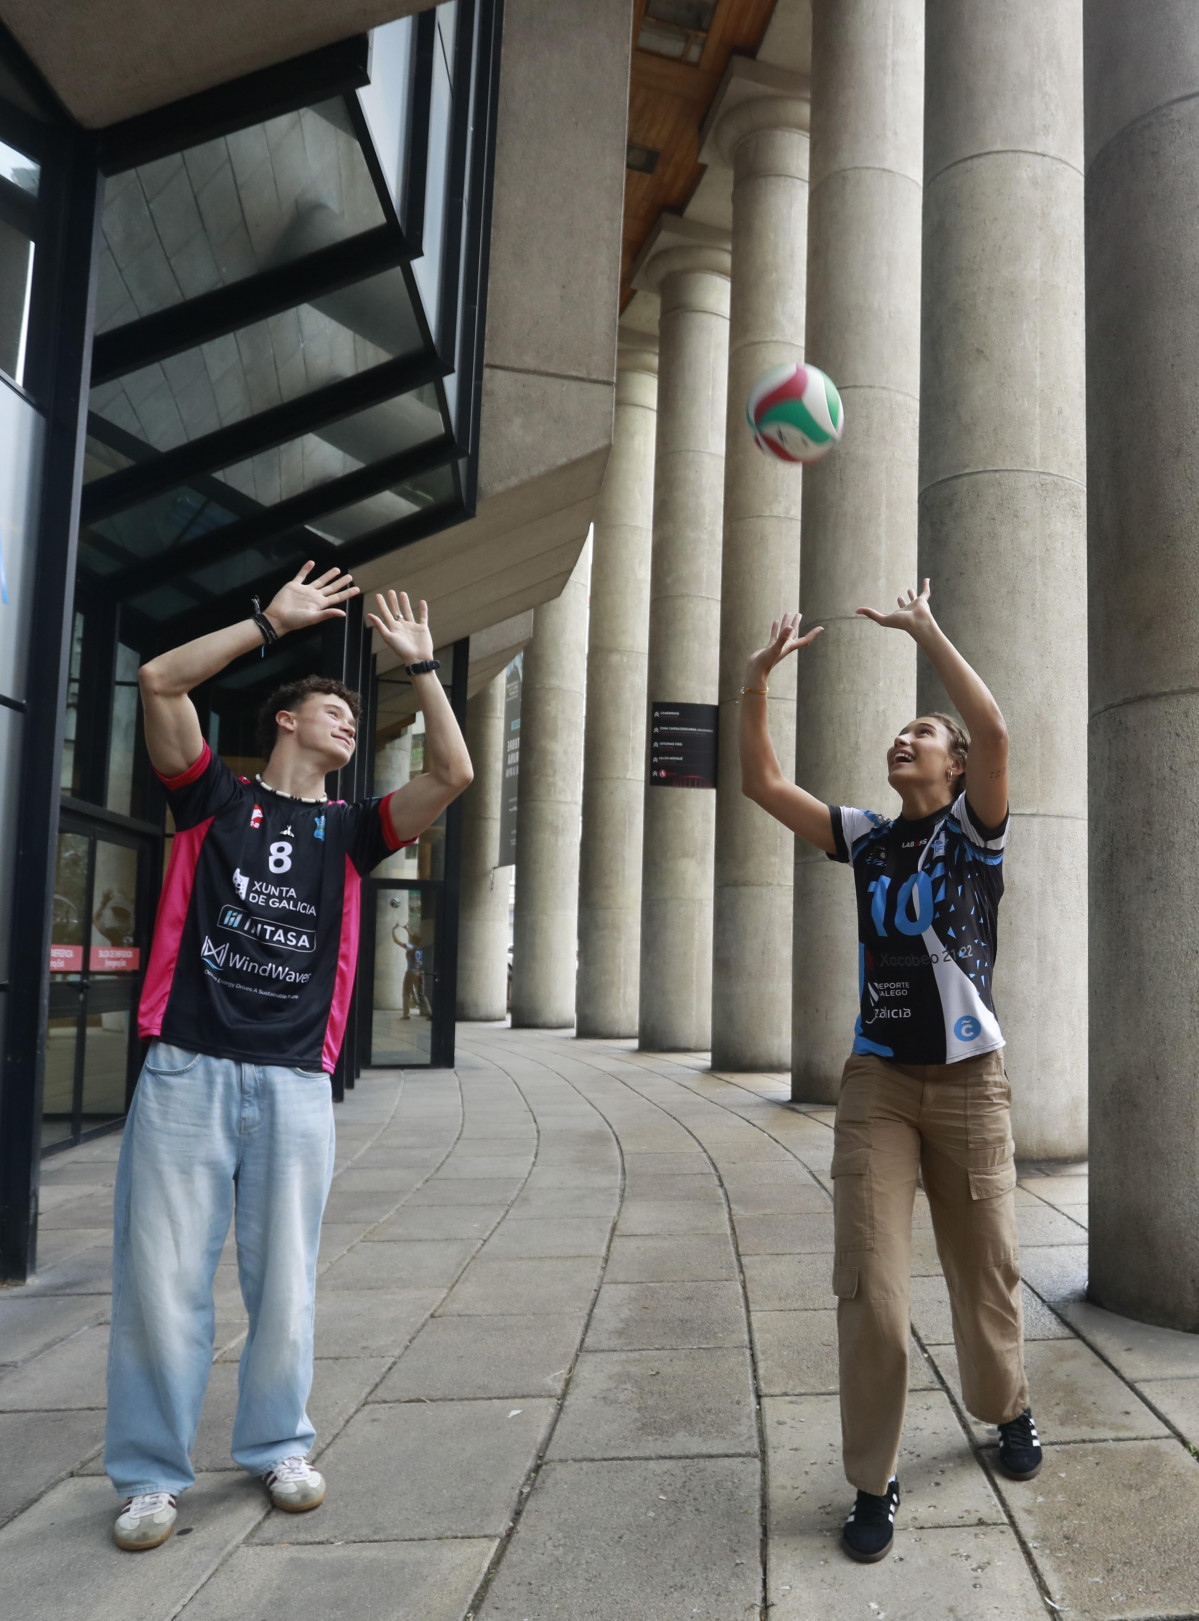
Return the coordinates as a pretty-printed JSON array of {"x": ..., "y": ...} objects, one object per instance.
[
  {"x": 213, "y": 956},
  {"x": 256, "y": 816},
  {"x": 968, "y": 1028},
  {"x": 241, "y": 883}
]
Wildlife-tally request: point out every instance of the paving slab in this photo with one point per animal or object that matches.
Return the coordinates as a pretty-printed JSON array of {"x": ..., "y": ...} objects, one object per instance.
[
  {"x": 657, "y": 1541},
  {"x": 414, "y": 1470},
  {"x": 642, "y": 1217},
  {"x": 1047, "y": 1226},
  {"x": 39, "y": 1449},
  {"x": 370, "y": 1322},
  {"x": 797, "y": 1354},
  {"x": 702, "y": 1257},
  {"x": 789, "y": 1282},
  {"x": 651, "y": 1167},
  {"x": 402, "y": 1581},
  {"x": 538, "y": 1287},
  {"x": 336, "y": 1239},
  {"x": 940, "y": 1480},
  {"x": 69, "y": 1375},
  {"x": 1066, "y": 1191},
  {"x": 73, "y": 1206},
  {"x": 411, "y": 1263},
  {"x": 28, "y": 1326},
  {"x": 88, "y": 1272},
  {"x": 1059, "y": 1274},
  {"x": 698, "y": 1187},
  {"x": 488, "y": 1190},
  {"x": 1074, "y": 1396},
  {"x": 468, "y": 1357},
  {"x": 785, "y": 1235},
  {"x": 1138, "y": 1350},
  {"x": 59, "y": 1560},
  {"x": 517, "y": 1238},
  {"x": 1114, "y": 1528},
  {"x": 352, "y": 1204},
  {"x": 645, "y": 1404},
  {"x": 438, "y": 1221},
  {"x": 1178, "y": 1399},
  {"x": 793, "y": 1196},
  {"x": 470, "y": 1167},
  {"x": 648, "y": 1316},
  {"x": 940, "y": 1574}
]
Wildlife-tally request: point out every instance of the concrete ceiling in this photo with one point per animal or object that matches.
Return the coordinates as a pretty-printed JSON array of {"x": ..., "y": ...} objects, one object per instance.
[{"x": 107, "y": 60}]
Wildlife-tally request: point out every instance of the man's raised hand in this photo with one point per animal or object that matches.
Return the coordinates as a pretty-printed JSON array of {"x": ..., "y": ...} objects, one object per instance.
[
  {"x": 912, "y": 615},
  {"x": 784, "y": 639},
  {"x": 408, "y": 636},
  {"x": 303, "y": 602}
]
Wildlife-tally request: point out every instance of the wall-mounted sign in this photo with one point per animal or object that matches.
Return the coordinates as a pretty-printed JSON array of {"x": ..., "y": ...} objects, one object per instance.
[
  {"x": 682, "y": 745},
  {"x": 510, "y": 792},
  {"x": 102, "y": 959}
]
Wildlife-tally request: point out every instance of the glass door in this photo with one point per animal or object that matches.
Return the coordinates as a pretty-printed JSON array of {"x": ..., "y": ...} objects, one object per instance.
[
  {"x": 99, "y": 941},
  {"x": 404, "y": 980}
]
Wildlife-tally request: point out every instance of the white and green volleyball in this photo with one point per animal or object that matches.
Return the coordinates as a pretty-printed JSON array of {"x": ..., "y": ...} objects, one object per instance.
[{"x": 795, "y": 413}]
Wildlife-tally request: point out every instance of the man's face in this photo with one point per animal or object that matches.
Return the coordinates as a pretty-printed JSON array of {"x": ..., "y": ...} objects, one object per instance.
[
  {"x": 323, "y": 726},
  {"x": 920, "y": 756}
]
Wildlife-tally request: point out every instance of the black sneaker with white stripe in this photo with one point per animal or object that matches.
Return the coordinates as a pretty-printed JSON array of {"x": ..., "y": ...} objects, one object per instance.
[
  {"x": 1020, "y": 1454},
  {"x": 869, "y": 1530}
]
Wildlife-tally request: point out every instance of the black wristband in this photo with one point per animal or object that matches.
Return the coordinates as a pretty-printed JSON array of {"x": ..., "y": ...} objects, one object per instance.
[
  {"x": 424, "y": 667},
  {"x": 269, "y": 633}
]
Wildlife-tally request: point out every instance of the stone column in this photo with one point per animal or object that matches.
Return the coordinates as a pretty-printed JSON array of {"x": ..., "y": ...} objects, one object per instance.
[
  {"x": 614, "y": 740},
  {"x": 1142, "y": 79},
  {"x": 483, "y": 897},
  {"x": 759, "y": 126},
  {"x": 548, "y": 820},
  {"x": 857, "y": 685},
  {"x": 1002, "y": 490},
  {"x": 690, "y": 270}
]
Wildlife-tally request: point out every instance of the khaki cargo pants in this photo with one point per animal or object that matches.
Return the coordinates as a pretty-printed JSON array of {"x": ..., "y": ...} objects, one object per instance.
[{"x": 951, "y": 1123}]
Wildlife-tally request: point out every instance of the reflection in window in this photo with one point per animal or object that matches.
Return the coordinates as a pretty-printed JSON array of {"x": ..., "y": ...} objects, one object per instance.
[
  {"x": 19, "y": 177},
  {"x": 69, "y": 907},
  {"x": 211, "y": 216},
  {"x": 69, "y": 771},
  {"x": 123, "y": 737},
  {"x": 405, "y": 971},
  {"x": 58, "y": 1094}
]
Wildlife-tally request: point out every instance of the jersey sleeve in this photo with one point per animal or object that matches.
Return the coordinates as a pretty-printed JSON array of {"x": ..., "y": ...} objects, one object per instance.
[
  {"x": 368, "y": 835},
  {"x": 206, "y": 787},
  {"x": 992, "y": 839},
  {"x": 850, "y": 825}
]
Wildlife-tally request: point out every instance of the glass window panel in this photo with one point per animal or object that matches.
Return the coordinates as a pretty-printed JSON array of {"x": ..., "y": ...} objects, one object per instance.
[
  {"x": 405, "y": 970},
  {"x": 22, "y": 441},
  {"x": 100, "y": 459},
  {"x": 68, "y": 779},
  {"x": 413, "y": 495},
  {"x": 385, "y": 101},
  {"x": 153, "y": 526},
  {"x": 20, "y": 170},
  {"x": 400, "y": 756},
  {"x": 122, "y": 739},
  {"x": 70, "y": 903},
  {"x": 219, "y": 212},
  {"x": 58, "y": 1095},
  {"x": 16, "y": 288},
  {"x": 12, "y": 736},
  {"x": 105, "y": 1064},
  {"x": 264, "y": 364},
  {"x": 166, "y": 602},
  {"x": 427, "y": 269}
]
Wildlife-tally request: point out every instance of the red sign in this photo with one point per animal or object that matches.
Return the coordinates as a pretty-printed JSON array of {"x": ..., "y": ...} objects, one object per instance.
[{"x": 101, "y": 960}]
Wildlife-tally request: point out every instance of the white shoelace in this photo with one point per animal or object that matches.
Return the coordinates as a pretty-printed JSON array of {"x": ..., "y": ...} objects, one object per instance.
[
  {"x": 148, "y": 1503},
  {"x": 291, "y": 1469}
]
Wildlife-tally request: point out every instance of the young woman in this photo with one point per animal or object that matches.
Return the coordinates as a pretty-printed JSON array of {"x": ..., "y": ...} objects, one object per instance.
[{"x": 924, "y": 1090}]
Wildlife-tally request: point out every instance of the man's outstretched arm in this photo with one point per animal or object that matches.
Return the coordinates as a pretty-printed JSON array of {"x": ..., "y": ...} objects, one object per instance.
[
  {"x": 987, "y": 761},
  {"x": 762, "y": 779},
  {"x": 448, "y": 771},
  {"x": 173, "y": 735}
]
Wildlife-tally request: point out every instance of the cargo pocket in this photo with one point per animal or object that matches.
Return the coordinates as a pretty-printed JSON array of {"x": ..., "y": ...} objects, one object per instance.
[
  {"x": 993, "y": 1182},
  {"x": 845, "y": 1280},
  {"x": 853, "y": 1200}
]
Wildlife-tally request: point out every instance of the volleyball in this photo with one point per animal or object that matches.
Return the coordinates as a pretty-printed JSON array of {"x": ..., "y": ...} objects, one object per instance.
[{"x": 795, "y": 413}]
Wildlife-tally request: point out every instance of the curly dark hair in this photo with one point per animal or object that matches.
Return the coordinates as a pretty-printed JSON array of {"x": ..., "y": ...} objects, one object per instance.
[{"x": 291, "y": 697}]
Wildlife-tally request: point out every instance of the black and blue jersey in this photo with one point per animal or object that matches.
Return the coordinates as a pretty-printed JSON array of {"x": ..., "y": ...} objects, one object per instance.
[{"x": 928, "y": 895}]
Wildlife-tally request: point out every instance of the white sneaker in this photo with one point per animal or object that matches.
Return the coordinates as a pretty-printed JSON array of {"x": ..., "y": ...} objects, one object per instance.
[
  {"x": 294, "y": 1487},
  {"x": 146, "y": 1521}
]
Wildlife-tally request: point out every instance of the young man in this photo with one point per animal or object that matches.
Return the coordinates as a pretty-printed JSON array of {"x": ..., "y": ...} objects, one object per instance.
[
  {"x": 924, "y": 1090},
  {"x": 245, "y": 1002}
]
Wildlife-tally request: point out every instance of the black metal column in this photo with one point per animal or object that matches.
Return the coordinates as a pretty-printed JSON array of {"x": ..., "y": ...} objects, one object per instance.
[
  {"x": 75, "y": 228},
  {"x": 444, "y": 1010}
]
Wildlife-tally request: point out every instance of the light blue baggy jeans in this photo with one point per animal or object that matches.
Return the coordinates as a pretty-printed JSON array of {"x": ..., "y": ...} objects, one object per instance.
[{"x": 206, "y": 1136}]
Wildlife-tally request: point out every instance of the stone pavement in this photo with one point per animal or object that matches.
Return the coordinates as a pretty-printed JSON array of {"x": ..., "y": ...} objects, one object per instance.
[{"x": 576, "y": 1360}]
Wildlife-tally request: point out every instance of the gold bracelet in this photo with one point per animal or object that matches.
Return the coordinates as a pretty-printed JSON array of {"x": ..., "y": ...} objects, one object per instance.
[{"x": 765, "y": 691}]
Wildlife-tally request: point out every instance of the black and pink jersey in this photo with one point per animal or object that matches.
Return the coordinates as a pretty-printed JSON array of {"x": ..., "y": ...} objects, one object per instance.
[
  {"x": 928, "y": 894},
  {"x": 256, "y": 940}
]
